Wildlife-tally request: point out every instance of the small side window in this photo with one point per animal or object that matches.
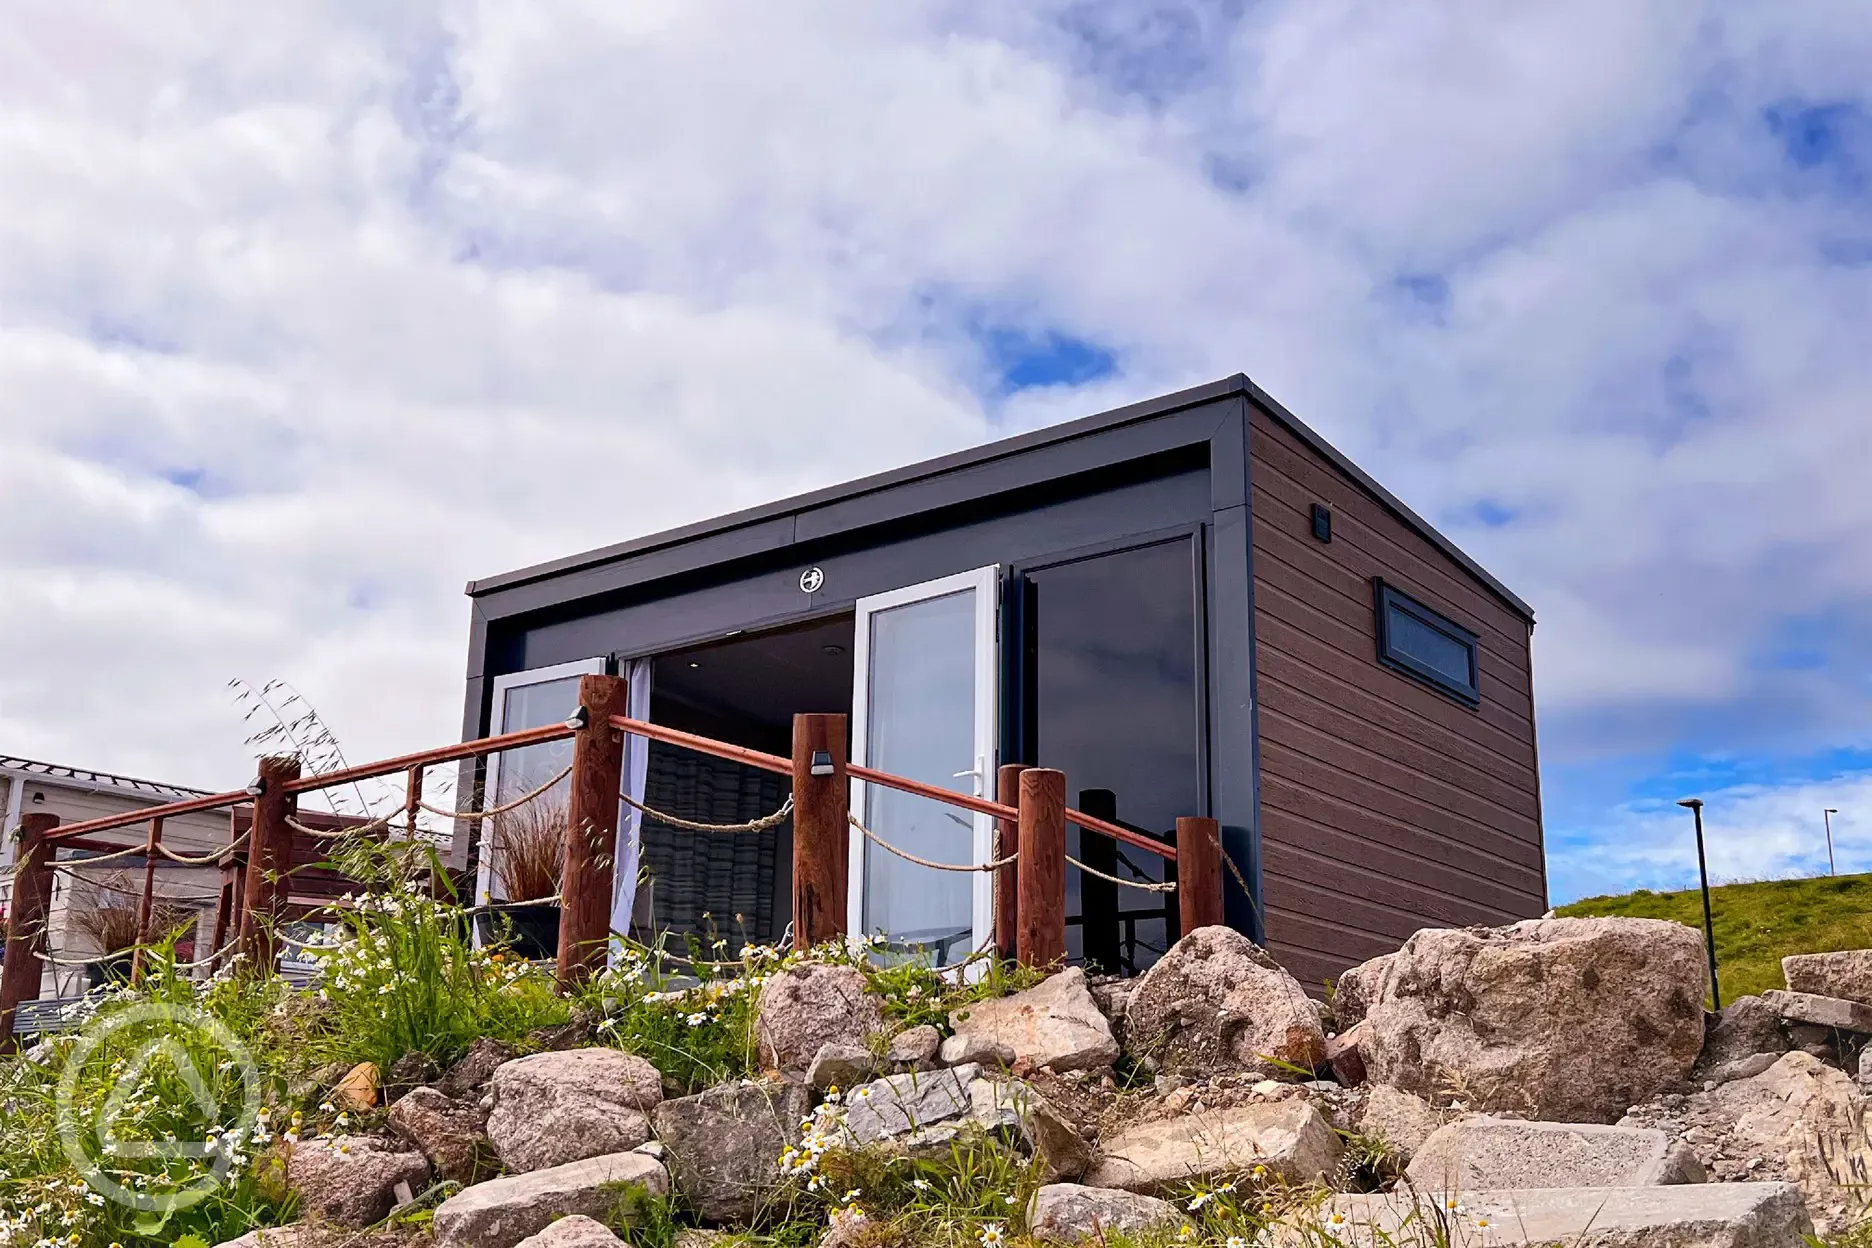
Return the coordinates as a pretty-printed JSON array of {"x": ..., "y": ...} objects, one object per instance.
[{"x": 1428, "y": 646}]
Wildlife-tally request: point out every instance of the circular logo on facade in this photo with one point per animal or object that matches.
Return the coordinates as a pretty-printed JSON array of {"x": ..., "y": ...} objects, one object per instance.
[
  {"x": 811, "y": 580},
  {"x": 158, "y": 1105}
]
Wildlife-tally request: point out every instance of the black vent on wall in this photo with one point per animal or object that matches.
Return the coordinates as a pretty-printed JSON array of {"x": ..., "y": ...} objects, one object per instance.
[{"x": 1322, "y": 522}]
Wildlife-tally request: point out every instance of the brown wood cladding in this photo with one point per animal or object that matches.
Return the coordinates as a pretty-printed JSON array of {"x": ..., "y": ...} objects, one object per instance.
[{"x": 1384, "y": 805}]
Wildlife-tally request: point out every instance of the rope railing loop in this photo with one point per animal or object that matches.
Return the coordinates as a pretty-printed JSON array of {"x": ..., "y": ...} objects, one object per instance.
[
  {"x": 761, "y": 824},
  {"x": 338, "y": 834},
  {"x": 907, "y": 856},
  {"x": 1143, "y": 886},
  {"x": 98, "y": 859},
  {"x": 491, "y": 812},
  {"x": 207, "y": 860}
]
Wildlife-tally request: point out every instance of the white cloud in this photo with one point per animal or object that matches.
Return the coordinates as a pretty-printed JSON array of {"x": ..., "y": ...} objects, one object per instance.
[
  {"x": 1751, "y": 832},
  {"x": 306, "y": 317}
]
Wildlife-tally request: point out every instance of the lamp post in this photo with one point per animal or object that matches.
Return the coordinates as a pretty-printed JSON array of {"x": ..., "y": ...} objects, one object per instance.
[
  {"x": 1827, "y": 815},
  {"x": 1695, "y": 806}
]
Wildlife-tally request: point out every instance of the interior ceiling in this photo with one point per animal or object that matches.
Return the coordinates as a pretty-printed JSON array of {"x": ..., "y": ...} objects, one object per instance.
[{"x": 769, "y": 677}]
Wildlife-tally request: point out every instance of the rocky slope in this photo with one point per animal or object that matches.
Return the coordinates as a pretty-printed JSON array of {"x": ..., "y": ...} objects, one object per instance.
[{"x": 1563, "y": 1070}]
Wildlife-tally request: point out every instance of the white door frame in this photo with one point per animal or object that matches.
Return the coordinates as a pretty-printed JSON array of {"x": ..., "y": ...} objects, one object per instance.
[
  {"x": 986, "y": 582},
  {"x": 484, "y": 832}
]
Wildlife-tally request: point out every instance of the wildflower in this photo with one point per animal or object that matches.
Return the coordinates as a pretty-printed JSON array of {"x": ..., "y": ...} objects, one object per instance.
[
  {"x": 921, "y": 1185},
  {"x": 992, "y": 1236},
  {"x": 1337, "y": 1219},
  {"x": 863, "y": 1094},
  {"x": 1482, "y": 1222},
  {"x": 1235, "y": 1241}
]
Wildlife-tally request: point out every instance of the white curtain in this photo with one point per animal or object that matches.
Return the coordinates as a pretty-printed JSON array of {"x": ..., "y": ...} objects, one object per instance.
[{"x": 630, "y": 820}]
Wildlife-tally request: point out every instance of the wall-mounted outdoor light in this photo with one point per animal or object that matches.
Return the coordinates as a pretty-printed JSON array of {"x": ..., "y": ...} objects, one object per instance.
[{"x": 822, "y": 763}]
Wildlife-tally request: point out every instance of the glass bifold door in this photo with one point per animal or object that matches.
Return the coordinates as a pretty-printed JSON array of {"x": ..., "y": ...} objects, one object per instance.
[{"x": 925, "y": 706}]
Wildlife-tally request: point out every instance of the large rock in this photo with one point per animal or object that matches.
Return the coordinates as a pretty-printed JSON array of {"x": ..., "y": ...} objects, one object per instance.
[
  {"x": 502, "y": 1212},
  {"x": 976, "y": 1050},
  {"x": 914, "y": 1047},
  {"x": 1056, "y": 1024},
  {"x": 1831, "y": 1013},
  {"x": 1846, "y": 974},
  {"x": 900, "y": 1105},
  {"x": 806, "y": 1007},
  {"x": 1290, "y": 1138},
  {"x": 1041, "y": 1129},
  {"x": 1217, "y": 1002},
  {"x": 841, "y": 1066},
  {"x": 1571, "y": 1020},
  {"x": 1810, "y": 1116},
  {"x": 724, "y": 1144},
  {"x": 1401, "y": 1119},
  {"x": 1715, "y": 1215},
  {"x": 447, "y": 1132},
  {"x": 468, "y": 1078},
  {"x": 577, "y": 1231},
  {"x": 1745, "y": 1029},
  {"x": 552, "y": 1108},
  {"x": 1069, "y": 1212},
  {"x": 352, "y": 1180},
  {"x": 1354, "y": 991},
  {"x": 1492, "y": 1154}
]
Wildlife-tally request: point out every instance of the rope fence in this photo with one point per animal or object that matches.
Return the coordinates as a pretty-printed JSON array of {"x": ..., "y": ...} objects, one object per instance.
[
  {"x": 907, "y": 856},
  {"x": 206, "y": 860},
  {"x": 1143, "y": 886},
  {"x": 516, "y": 804},
  {"x": 761, "y": 824}
]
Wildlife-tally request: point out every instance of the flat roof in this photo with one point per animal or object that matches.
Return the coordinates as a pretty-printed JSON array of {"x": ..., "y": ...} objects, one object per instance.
[{"x": 1003, "y": 448}]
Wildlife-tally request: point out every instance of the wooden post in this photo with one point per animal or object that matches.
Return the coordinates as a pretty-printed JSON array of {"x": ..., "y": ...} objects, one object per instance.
[
  {"x": 1199, "y": 873},
  {"x": 22, "y": 971},
  {"x": 585, "y": 883},
  {"x": 147, "y": 905},
  {"x": 269, "y": 864},
  {"x": 1098, "y": 899},
  {"x": 1007, "y": 879},
  {"x": 1043, "y": 867},
  {"x": 821, "y": 829}
]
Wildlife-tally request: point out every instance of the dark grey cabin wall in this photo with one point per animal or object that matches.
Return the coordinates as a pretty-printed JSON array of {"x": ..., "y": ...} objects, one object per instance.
[{"x": 766, "y": 593}]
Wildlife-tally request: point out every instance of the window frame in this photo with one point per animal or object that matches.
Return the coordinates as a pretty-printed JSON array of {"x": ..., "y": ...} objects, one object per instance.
[{"x": 1390, "y": 596}]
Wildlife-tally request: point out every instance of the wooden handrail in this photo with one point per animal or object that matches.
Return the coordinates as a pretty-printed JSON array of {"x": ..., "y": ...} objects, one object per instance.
[
  {"x": 967, "y": 801},
  {"x": 705, "y": 745},
  {"x": 426, "y": 758}
]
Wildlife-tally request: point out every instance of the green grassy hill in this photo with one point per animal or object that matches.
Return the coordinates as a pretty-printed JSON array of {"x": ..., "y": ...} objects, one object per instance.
[{"x": 1758, "y": 924}]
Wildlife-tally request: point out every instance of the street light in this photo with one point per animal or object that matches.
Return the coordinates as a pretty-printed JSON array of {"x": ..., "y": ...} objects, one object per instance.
[
  {"x": 1827, "y": 815},
  {"x": 1695, "y": 806}
]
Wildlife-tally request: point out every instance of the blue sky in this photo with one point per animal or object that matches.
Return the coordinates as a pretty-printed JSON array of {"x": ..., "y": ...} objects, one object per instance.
[{"x": 304, "y": 314}]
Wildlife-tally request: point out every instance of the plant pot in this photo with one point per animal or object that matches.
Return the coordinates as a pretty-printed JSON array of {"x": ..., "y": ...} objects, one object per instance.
[
  {"x": 532, "y": 927},
  {"x": 113, "y": 969}
]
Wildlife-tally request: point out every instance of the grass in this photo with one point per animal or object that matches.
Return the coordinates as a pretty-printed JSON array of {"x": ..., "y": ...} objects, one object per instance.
[{"x": 1757, "y": 924}]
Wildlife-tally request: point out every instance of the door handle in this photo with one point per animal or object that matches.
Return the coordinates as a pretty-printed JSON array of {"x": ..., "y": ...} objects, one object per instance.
[{"x": 975, "y": 772}]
